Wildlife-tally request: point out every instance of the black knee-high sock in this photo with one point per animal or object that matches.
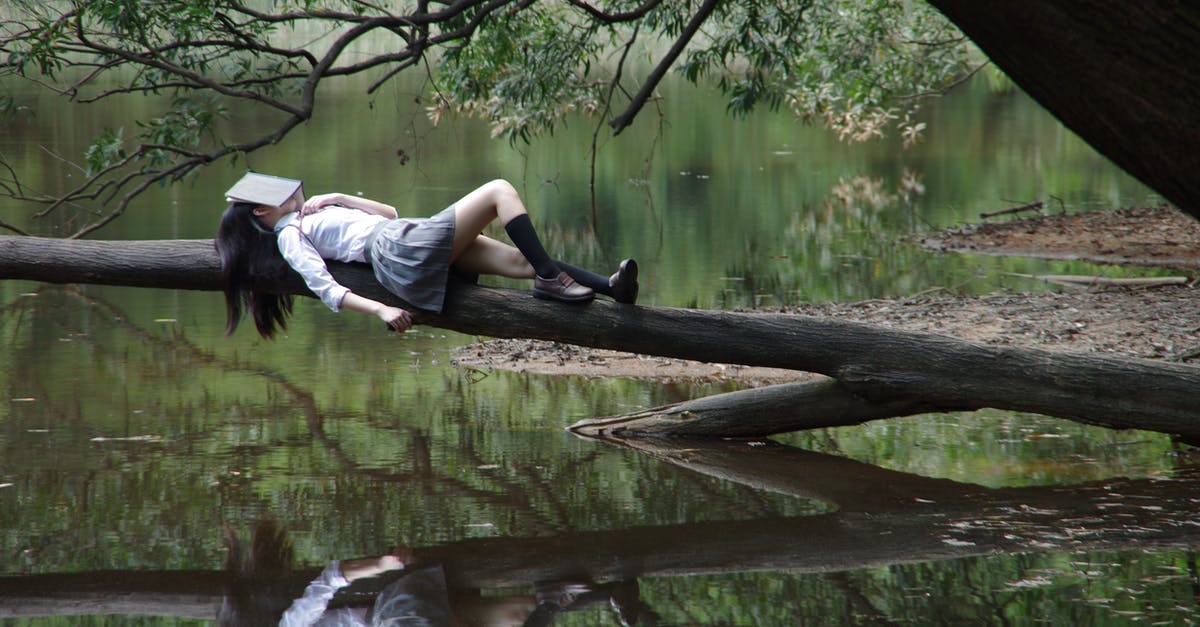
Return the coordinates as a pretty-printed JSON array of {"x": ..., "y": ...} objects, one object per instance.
[
  {"x": 520, "y": 231},
  {"x": 586, "y": 278}
]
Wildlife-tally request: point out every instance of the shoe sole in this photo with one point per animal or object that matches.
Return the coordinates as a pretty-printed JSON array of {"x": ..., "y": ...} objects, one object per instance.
[
  {"x": 630, "y": 269},
  {"x": 560, "y": 298}
]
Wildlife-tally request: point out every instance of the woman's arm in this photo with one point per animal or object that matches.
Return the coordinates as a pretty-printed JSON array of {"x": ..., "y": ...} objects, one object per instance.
[
  {"x": 395, "y": 317},
  {"x": 320, "y": 201}
]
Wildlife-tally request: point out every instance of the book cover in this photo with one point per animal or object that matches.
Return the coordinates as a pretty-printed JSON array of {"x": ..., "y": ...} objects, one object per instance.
[{"x": 263, "y": 189}]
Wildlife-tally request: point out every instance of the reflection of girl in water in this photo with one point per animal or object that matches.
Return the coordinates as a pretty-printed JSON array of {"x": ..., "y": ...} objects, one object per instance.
[
  {"x": 419, "y": 598},
  {"x": 262, "y": 591},
  {"x": 259, "y": 588}
]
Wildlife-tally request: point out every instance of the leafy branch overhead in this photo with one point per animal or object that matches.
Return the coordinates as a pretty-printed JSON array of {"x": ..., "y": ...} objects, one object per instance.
[{"x": 522, "y": 65}]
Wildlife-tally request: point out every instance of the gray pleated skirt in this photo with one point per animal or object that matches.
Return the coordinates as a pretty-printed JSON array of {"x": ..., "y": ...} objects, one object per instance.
[{"x": 411, "y": 258}]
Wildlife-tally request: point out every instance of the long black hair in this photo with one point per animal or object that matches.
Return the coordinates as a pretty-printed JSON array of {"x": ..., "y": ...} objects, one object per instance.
[
  {"x": 259, "y": 587},
  {"x": 252, "y": 272}
]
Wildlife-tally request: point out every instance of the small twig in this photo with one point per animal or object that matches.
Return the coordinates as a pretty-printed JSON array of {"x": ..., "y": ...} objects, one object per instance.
[
  {"x": 1062, "y": 206},
  {"x": 9, "y": 227},
  {"x": 1075, "y": 280},
  {"x": 612, "y": 87},
  {"x": 1033, "y": 206},
  {"x": 915, "y": 298}
]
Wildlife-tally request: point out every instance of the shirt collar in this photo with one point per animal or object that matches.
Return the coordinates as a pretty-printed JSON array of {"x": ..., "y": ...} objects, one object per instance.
[{"x": 286, "y": 220}]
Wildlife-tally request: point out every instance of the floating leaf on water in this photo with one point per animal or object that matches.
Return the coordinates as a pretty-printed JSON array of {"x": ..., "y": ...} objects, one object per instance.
[
  {"x": 165, "y": 320},
  {"x": 132, "y": 438},
  {"x": 1035, "y": 582},
  {"x": 23, "y": 399},
  {"x": 1034, "y": 510}
]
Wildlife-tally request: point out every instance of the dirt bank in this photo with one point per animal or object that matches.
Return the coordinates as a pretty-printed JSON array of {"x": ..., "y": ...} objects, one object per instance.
[{"x": 1153, "y": 236}]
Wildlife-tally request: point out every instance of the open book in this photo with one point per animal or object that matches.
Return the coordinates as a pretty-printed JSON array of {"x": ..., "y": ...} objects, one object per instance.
[{"x": 263, "y": 189}]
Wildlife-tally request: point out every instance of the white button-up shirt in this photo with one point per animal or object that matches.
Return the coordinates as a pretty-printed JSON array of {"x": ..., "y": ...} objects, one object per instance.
[{"x": 333, "y": 233}]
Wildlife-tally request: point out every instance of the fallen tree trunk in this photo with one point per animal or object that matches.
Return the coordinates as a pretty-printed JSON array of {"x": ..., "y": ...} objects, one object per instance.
[
  {"x": 753, "y": 413},
  {"x": 874, "y": 364}
]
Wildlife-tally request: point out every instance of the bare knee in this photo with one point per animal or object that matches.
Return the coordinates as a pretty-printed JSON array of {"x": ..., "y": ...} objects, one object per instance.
[
  {"x": 505, "y": 198},
  {"x": 499, "y": 187}
]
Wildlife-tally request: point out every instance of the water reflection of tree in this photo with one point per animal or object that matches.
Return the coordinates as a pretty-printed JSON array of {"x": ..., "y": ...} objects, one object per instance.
[
  {"x": 881, "y": 518},
  {"x": 527, "y": 499},
  {"x": 884, "y": 518}
]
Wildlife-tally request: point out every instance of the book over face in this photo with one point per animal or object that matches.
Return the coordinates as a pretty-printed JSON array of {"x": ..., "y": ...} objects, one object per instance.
[{"x": 263, "y": 189}]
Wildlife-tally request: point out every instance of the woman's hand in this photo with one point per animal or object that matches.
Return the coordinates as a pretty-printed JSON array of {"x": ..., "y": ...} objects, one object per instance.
[
  {"x": 366, "y": 205},
  {"x": 364, "y": 567},
  {"x": 398, "y": 558},
  {"x": 319, "y": 202},
  {"x": 396, "y": 318}
]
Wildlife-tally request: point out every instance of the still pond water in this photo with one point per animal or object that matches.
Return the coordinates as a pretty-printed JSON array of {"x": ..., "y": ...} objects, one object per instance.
[{"x": 133, "y": 437}]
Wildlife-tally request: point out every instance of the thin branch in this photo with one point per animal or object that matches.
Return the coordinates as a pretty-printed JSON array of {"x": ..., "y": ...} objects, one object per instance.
[
  {"x": 612, "y": 87},
  {"x": 941, "y": 91},
  {"x": 7, "y": 226},
  {"x": 78, "y": 192},
  {"x": 615, "y": 18},
  {"x": 17, "y": 182},
  {"x": 185, "y": 73},
  {"x": 621, "y": 122},
  {"x": 235, "y": 30},
  {"x": 452, "y": 11},
  {"x": 462, "y": 33},
  {"x": 183, "y": 168},
  {"x": 400, "y": 67}
]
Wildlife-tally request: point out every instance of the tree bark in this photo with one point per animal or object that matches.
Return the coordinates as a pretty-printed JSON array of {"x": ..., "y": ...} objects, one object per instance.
[
  {"x": 877, "y": 365},
  {"x": 1122, "y": 75},
  {"x": 752, "y": 413}
]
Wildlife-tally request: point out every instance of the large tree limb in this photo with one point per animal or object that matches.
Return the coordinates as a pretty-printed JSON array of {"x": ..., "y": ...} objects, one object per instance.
[
  {"x": 755, "y": 412},
  {"x": 879, "y": 365}
]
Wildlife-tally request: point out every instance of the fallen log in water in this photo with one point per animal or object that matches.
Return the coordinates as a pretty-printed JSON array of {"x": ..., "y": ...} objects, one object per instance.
[
  {"x": 875, "y": 365},
  {"x": 754, "y": 412}
]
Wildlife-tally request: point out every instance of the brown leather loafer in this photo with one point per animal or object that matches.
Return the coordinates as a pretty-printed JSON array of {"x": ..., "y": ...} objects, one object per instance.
[
  {"x": 561, "y": 287},
  {"x": 624, "y": 282}
]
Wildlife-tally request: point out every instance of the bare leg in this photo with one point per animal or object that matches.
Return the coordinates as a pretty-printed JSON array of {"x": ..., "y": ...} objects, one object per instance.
[
  {"x": 487, "y": 256},
  {"x": 476, "y": 210},
  {"x": 473, "y": 252}
]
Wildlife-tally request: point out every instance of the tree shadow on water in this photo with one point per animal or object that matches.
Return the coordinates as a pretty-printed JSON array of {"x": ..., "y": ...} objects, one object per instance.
[{"x": 876, "y": 520}]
